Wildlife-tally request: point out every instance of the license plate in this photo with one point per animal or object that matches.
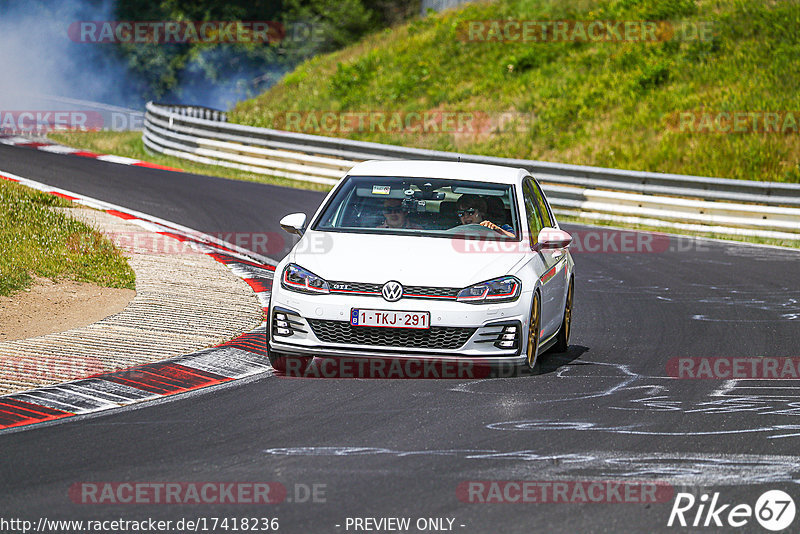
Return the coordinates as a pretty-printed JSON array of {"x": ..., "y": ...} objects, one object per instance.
[{"x": 390, "y": 318}]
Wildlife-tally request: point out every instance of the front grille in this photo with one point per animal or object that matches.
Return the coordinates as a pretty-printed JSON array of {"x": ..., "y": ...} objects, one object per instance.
[
  {"x": 426, "y": 291},
  {"x": 437, "y": 337},
  {"x": 355, "y": 286},
  {"x": 408, "y": 291}
]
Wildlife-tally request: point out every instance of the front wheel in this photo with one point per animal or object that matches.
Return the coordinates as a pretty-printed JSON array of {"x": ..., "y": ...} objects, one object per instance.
[
  {"x": 534, "y": 325},
  {"x": 562, "y": 339},
  {"x": 289, "y": 365}
]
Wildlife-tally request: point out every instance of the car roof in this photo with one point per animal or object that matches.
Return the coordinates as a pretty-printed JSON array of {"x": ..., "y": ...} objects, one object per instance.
[{"x": 439, "y": 169}]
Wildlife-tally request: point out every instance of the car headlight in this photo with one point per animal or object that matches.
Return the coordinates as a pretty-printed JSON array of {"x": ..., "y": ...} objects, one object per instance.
[
  {"x": 295, "y": 278},
  {"x": 503, "y": 289}
]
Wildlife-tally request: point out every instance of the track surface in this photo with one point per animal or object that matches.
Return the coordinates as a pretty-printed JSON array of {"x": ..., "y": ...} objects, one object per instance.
[{"x": 400, "y": 448}]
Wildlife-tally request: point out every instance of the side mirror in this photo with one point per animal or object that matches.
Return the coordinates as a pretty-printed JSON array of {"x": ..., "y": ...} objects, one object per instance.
[
  {"x": 294, "y": 223},
  {"x": 550, "y": 238}
]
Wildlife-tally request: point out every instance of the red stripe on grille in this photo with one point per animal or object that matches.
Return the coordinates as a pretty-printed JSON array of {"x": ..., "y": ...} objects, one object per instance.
[{"x": 354, "y": 292}]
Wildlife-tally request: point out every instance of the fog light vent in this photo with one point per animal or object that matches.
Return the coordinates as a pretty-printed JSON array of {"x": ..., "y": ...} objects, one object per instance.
[
  {"x": 507, "y": 339},
  {"x": 285, "y": 323}
]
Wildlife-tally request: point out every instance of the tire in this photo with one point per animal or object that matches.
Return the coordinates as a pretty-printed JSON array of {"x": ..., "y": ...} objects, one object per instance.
[
  {"x": 534, "y": 327},
  {"x": 562, "y": 339},
  {"x": 289, "y": 365}
]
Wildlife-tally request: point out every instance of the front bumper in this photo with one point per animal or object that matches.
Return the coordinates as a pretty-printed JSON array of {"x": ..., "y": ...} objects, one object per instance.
[
  {"x": 306, "y": 313},
  {"x": 500, "y": 361}
]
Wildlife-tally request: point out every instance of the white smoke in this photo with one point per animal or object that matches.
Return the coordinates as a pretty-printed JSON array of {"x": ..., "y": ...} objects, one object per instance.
[
  {"x": 42, "y": 68},
  {"x": 38, "y": 60}
]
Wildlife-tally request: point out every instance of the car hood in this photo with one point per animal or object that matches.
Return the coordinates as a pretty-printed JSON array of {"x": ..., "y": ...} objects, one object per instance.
[{"x": 427, "y": 261}]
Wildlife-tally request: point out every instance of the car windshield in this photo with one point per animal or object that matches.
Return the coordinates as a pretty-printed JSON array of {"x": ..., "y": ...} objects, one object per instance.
[{"x": 422, "y": 206}]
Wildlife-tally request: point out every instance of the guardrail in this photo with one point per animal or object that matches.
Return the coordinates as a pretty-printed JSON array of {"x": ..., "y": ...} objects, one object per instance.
[
  {"x": 198, "y": 112},
  {"x": 693, "y": 203}
]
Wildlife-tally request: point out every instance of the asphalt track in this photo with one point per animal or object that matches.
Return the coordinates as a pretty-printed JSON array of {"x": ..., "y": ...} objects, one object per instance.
[{"x": 606, "y": 410}]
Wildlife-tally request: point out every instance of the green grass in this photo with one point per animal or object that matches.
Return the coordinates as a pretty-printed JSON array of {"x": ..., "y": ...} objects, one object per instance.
[
  {"x": 609, "y": 104},
  {"x": 37, "y": 240},
  {"x": 129, "y": 144}
]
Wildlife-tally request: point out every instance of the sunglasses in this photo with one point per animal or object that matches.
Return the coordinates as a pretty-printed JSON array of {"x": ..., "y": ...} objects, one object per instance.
[
  {"x": 393, "y": 210},
  {"x": 470, "y": 211}
]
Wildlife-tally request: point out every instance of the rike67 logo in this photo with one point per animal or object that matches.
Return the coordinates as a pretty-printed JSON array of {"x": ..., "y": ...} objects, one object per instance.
[{"x": 774, "y": 510}]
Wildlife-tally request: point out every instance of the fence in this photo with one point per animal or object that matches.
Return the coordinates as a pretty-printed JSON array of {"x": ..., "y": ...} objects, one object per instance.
[{"x": 669, "y": 201}]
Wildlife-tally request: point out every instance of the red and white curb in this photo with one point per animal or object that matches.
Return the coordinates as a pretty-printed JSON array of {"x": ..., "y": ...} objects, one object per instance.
[
  {"x": 239, "y": 358},
  {"x": 49, "y": 146}
]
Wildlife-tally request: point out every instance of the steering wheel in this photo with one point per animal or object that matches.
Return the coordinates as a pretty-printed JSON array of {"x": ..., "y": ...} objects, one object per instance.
[{"x": 471, "y": 229}]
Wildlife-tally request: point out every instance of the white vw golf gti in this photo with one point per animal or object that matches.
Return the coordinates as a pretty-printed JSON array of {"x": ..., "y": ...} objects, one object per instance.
[{"x": 425, "y": 259}]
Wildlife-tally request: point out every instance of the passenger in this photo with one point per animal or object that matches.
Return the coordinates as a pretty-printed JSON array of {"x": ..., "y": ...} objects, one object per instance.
[
  {"x": 471, "y": 209},
  {"x": 395, "y": 215}
]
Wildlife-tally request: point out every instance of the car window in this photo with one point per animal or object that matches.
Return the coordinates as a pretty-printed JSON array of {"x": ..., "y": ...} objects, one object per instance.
[
  {"x": 418, "y": 206},
  {"x": 532, "y": 212},
  {"x": 542, "y": 203}
]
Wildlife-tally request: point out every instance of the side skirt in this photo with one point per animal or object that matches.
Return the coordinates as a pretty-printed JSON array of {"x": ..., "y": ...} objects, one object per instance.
[{"x": 547, "y": 344}]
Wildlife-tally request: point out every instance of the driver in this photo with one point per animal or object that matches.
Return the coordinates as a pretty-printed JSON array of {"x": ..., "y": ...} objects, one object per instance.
[
  {"x": 395, "y": 215},
  {"x": 471, "y": 209}
]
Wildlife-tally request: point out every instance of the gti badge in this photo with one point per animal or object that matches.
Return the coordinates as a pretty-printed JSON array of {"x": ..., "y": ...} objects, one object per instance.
[{"x": 392, "y": 291}]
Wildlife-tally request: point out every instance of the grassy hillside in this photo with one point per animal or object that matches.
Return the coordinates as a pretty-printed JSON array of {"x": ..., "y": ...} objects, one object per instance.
[{"x": 612, "y": 104}]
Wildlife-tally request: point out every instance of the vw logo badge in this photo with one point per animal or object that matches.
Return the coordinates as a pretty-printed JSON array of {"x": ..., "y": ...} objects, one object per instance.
[{"x": 392, "y": 291}]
